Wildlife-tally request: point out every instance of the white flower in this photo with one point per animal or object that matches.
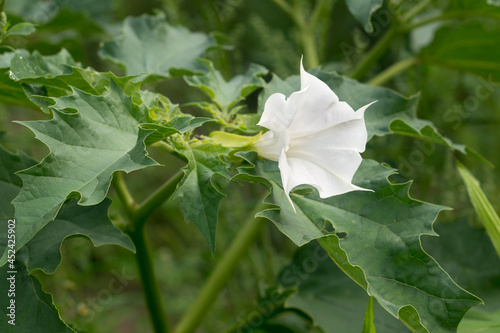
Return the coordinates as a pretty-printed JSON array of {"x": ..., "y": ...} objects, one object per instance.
[{"x": 315, "y": 138}]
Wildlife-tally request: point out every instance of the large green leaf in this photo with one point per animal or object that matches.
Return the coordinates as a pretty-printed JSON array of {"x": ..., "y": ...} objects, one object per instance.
[
  {"x": 363, "y": 10},
  {"x": 200, "y": 189},
  {"x": 374, "y": 237},
  {"x": 34, "y": 309},
  {"x": 90, "y": 137},
  {"x": 392, "y": 113},
  {"x": 73, "y": 220},
  {"x": 227, "y": 94},
  {"x": 470, "y": 47},
  {"x": 150, "y": 46}
]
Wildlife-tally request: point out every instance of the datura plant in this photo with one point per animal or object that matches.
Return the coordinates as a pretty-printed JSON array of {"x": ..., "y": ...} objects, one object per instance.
[{"x": 267, "y": 171}]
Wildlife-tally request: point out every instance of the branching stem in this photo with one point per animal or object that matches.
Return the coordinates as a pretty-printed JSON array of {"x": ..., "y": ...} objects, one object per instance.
[{"x": 138, "y": 214}]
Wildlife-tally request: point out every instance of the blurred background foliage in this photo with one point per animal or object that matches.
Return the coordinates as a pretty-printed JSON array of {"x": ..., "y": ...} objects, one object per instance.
[{"x": 261, "y": 32}]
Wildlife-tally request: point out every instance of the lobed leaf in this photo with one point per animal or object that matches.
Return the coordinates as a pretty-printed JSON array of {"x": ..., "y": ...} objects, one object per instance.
[
  {"x": 148, "y": 45},
  {"x": 199, "y": 190},
  {"x": 90, "y": 137},
  {"x": 226, "y": 94},
  {"x": 374, "y": 237},
  {"x": 44, "y": 248},
  {"x": 34, "y": 309}
]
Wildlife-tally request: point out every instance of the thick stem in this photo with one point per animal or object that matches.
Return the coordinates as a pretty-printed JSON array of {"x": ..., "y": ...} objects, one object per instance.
[
  {"x": 138, "y": 216},
  {"x": 149, "y": 283},
  {"x": 375, "y": 53},
  {"x": 392, "y": 71},
  {"x": 220, "y": 275},
  {"x": 155, "y": 200}
]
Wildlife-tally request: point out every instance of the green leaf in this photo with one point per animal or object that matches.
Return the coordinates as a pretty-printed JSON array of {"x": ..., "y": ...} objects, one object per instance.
[
  {"x": 363, "y": 10},
  {"x": 150, "y": 46},
  {"x": 482, "y": 205},
  {"x": 90, "y": 137},
  {"x": 11, "y": 93},
  {"x": 200, "y": 189},
  {"x": 10, "y": 184},
  {"x": 223, "y": 93},
  {"x": 451, "y": 48},
  {"x": 329, "y": 297},
  {"x": 83, "y": 14},
  {"x": 25, "y": 66},
  {"x": 177, "y": 125},
  {"x": 74, "y": 220},
  {"x": 480, "y": 321},
  {"x": 34, "y": 308},
  {"x": 375, "y": 238},
  {"x": 44, "y": 77},
  {"x": 21, "y": 29},
  {"x": 368, "y": 326}
]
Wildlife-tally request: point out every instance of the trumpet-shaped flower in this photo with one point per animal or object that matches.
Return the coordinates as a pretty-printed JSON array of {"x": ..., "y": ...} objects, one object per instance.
[{"x": 315, "y": 138}]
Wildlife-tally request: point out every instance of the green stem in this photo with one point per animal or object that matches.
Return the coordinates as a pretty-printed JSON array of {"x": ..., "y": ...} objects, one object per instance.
[
  {"x": 393, "y": 70},
  {"x": 138, "y": 216},
  {"x": 123, "y": 193},
  {"x": 149, "y": 283},
  {"x": 309, "y": 45},
  {"x": 375, "y": 53},
  {"x": 222, "y": 272},
  {"x": 286, "y": 7},
  {"x": 416, "y": 10},
  {"x": 155, "y": 200}
]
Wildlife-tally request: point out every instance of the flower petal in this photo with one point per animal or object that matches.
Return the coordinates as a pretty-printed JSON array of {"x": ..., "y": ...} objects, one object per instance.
[
  {"x": 277, "y": 115},
  {"x": 302, "y": 171},
  {"x": 340, "y": 163},
  {"x": 317, "y": 107}
]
